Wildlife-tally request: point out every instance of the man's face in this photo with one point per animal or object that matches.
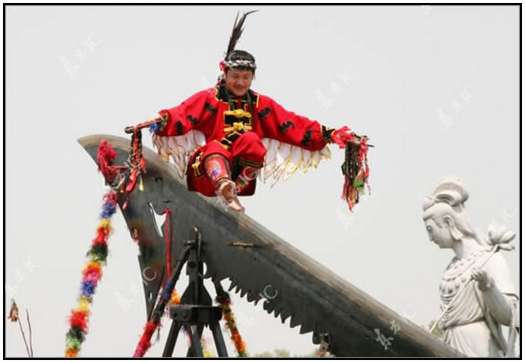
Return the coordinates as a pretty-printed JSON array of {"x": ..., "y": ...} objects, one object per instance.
[{"x": 238, "y": 81}]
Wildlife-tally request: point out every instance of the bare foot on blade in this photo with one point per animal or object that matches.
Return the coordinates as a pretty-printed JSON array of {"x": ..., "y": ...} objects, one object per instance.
[{"x": 227, "y": 192}]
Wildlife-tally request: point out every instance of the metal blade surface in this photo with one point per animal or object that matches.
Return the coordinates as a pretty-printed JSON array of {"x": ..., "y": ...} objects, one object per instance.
[{"x": 264, "y": 268}]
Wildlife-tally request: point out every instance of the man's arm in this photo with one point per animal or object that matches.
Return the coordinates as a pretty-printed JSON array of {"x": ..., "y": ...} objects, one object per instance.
[
  {"x": 286, "y": 126},
  {"x": 182, "y": 118}
]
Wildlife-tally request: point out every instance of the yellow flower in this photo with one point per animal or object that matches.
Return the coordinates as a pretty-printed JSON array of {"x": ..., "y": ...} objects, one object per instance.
[
  {"x": 83, "y": 304},
  {"x": 104, "y": 223}
]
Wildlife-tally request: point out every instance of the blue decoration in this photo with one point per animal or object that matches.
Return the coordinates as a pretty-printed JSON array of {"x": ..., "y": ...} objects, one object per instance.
[
  {"x": 166, "y": 293},
  {"x": 88, "y": 288},
  {"x": 108, "y": 209},
  {"x": 154, "y": 128}
]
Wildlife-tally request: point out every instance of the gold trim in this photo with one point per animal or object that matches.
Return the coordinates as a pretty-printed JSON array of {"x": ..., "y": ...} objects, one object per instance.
[
  {"x": 237, "y": 127},
  {"x": 238, "y": 113},
  {"x": 196, "y": 165}
]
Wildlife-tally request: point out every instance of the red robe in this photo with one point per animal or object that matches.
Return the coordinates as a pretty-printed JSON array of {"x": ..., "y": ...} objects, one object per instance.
[{"x": 205, "y": 112}]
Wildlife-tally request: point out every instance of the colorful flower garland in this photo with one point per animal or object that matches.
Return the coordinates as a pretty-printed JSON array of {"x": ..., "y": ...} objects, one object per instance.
[
  {"x": 145, "y": 340},
  {"x": 240, "y": 345},
  {"x": 91, "y": 275},
  {"x": 92, "y": 272}
]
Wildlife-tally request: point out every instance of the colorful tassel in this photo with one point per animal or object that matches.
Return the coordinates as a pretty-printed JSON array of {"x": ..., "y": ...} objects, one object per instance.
[
  {"x": 240, "y": 345},
  {"x": 137, "y": 163},
  {"x": 91, "y": 275},
  {"x": 175, "y": 298},
  {"x": 144, "y": 342},
  {"x": 105, "y": 156},
  {"x": 356, "y": 171},
  {"x": 168, "y": 295}
]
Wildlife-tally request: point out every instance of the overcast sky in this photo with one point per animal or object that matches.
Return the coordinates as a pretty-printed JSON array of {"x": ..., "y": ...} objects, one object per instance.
[{"x": 435, "y": 88}]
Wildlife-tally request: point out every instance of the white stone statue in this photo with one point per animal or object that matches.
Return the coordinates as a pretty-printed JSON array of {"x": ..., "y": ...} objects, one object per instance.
[{"x": 477, "y": 293}]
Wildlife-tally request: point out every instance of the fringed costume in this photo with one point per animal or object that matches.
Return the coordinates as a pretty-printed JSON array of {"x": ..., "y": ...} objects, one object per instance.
[{"x": 220, "y": 141}]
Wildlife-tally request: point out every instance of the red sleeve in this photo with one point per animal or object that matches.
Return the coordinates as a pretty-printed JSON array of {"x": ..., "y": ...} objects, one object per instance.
[
  {"x": 286, "y": 126},
  {"x": 184, "y": 117}
]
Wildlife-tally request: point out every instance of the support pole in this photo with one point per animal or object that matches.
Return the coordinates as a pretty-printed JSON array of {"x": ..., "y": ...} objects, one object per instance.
[{"x": 195, "y": 310}]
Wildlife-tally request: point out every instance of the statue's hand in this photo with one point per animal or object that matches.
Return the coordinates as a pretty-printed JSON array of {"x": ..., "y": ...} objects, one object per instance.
[{"x": 484, "y": 280}]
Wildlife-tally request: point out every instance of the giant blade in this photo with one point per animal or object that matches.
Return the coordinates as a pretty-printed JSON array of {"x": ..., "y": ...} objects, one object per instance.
[{"x": 264, "y": 267}]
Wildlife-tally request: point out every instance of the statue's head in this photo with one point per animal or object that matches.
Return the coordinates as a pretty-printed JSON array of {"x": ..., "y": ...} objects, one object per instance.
[{"x": 444, "y": 214}]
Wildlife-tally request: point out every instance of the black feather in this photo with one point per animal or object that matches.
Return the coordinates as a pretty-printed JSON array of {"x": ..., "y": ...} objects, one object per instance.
[{"x": 237, "y": 31}]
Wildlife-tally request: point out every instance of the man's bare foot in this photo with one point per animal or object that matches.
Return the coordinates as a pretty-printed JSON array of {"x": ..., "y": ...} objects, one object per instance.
[{"x": 227, "y": 192}]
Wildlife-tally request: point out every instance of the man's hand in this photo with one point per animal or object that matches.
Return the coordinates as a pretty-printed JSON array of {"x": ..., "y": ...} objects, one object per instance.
[
  {"x": 343, "y": 136},
  {"x": 160, "y": 120}
]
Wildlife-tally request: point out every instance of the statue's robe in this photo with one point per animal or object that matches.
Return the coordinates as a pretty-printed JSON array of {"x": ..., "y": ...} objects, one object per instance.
[{"x": 468, "y": 324}]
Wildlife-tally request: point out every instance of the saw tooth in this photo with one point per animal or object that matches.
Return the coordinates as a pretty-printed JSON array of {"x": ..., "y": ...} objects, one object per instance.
[
  {"x": 241, "y": 290},
  {"x": 237, "y": 289},
  {"x": 268, "y": 307},
  {"x": 243, "y": 293},
  {"x": 232, "y": 285},
  {"x": 276, "y": 313},
  {"x": 217, "y": 276},
  {"x": 294, "y": 321},
  {"x": 306, "y": 328},
  {"x": 283, "y": 318},
  {"x": 285, "y": 314},
  {"x": 251, "y": 296}
]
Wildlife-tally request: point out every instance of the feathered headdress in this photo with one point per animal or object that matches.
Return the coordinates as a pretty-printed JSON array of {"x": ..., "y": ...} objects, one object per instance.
[{"x": 238, "y": 58}]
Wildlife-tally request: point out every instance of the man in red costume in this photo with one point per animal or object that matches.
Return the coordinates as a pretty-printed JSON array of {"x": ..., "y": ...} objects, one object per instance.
[{"x": 234, "y": 119}]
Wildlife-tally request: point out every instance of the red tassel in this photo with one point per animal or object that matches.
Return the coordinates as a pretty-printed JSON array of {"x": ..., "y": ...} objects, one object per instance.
[
  {"x": 103, "y": 231},
  {"x": 167, "y": 240},
  {"x": 78, "y": 319},
  {"x": 102, "y": 236},
  {"x": 132, "y": 181},
  {"x": 105, "y": 151},
  {"x": 99, "y": 240},
  {"x": 144, "y": 342},
  {"x": 110, "y": 197},
  {"x": 92, "y": 272},
  {"x": 138, "y": 163},
  {"x": 363, "y": 160},
  {"x": 105, "y": 157}
]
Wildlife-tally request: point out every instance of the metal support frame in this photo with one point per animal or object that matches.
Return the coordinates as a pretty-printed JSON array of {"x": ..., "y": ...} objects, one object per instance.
[{"x": 195, "y": 310}]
